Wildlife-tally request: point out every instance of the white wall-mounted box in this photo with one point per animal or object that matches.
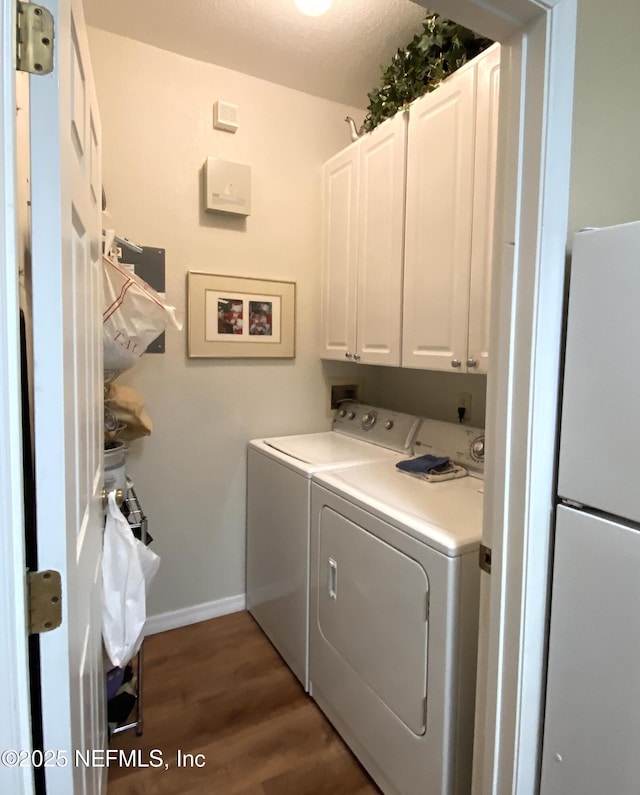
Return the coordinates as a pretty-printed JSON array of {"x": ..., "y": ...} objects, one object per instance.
[
  {"x": 225, "y": 116},
  {"x": 227, "y": 187}
]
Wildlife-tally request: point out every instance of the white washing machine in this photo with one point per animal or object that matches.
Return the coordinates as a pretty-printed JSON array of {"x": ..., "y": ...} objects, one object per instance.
[
  {"x": 394, "y": 613},
  {"x": 279, "y": 473}
]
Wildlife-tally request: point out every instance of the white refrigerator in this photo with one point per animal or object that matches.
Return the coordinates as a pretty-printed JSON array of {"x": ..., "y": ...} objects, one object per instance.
[{"x": 591, "y": 743}]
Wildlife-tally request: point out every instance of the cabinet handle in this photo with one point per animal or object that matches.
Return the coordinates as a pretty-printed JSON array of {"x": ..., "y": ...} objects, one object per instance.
[
  {"x": 456, "y": 362},
  {"x": 472, "y": 362},
  {"x": 356, "y": 357},
  {"x": 348, "y": 355}
]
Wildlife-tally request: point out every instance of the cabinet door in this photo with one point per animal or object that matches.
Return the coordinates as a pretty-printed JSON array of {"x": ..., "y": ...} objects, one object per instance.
[
  {"x": 380, "y": 242},
  {"x": 340, "y": 212},
  {"x": 440, "y": 159},
  {"x": 488, "y": 84}
]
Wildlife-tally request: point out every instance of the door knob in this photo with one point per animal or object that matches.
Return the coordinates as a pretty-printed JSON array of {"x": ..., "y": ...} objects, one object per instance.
[
  {"x": 472, "y": 362},
  {"x": 356, "y": 357},
  {"x": 105, "y": 497},
  {"x": 456, "y": 362},
  {"x": 348, "y": 355}
]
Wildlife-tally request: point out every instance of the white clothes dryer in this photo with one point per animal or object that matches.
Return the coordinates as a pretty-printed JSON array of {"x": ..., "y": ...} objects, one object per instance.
[
  {"x": 279, "y": 473},
  {"x": 394, "y": 613}
]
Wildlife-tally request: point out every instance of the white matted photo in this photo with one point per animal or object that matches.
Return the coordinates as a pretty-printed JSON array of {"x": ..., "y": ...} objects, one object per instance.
[{"x": 241, "y": 317}]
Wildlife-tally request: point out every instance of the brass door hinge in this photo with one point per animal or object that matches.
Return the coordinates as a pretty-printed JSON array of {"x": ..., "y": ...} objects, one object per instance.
[
  {"x": 45, "y": 601},
  {"x": 34, "y": 37}
]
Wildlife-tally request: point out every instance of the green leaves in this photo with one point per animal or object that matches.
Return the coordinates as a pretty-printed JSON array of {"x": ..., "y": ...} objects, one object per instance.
[{"x": 441, "y": 48}]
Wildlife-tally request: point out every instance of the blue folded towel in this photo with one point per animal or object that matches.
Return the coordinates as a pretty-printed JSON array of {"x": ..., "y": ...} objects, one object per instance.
[{"x": 424, "y": 464}]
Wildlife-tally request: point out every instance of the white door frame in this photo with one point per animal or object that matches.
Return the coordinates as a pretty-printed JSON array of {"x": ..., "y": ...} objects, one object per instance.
[
  {"x": 537, "y": 78},
  {"x": 522, "y": 389},
  {"x": 523, "y": 405},
  {"x": 15, "y": 727}
]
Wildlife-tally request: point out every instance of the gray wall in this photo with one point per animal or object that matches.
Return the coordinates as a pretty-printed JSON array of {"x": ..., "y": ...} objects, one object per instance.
[
  {"x": 605, "y": 168},
  {"x": 157, "y": 120}
]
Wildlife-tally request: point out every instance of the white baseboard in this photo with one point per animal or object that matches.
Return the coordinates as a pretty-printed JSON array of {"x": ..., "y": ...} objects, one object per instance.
[{"x": 191, "y": 615}]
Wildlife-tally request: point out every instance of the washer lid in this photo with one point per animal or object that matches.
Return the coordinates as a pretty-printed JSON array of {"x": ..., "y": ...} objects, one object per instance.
[
  {"x": 447, "y": 514},
  {"x": 323, "y": 449}
]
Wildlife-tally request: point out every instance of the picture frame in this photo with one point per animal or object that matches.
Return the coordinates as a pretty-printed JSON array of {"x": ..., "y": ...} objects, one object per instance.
[{"x": 232, "y": 317}]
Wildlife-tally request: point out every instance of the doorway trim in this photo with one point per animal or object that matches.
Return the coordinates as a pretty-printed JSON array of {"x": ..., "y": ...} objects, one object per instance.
[{"x": 536, "y": 97}]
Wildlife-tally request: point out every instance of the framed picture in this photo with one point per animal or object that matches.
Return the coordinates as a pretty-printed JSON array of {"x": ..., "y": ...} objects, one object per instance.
[{"x": 235, "y": 317}]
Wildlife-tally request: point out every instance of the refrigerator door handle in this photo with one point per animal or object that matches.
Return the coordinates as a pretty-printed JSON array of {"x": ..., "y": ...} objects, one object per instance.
[{"x": 572, "y": 503}]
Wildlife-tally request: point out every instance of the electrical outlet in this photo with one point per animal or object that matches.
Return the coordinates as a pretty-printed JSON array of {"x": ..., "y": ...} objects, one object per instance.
[{"x": 464, "y": 401}]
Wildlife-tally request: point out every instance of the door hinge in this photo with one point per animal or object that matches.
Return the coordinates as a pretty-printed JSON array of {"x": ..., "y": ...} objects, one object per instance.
[
  {"x": 484, "y": 558},
  {"x": 45, "y": 601},
  {"x": 34, "y": 38}
]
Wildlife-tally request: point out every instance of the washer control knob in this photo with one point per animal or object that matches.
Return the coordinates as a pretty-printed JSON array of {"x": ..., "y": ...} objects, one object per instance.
[
  {"x": 369, "y": 420},
  {"x": 351, "y": 415},
  {"x": 388, "y": 424},
  {"x": 477, "y": 448},
  {"x": 342, "y": 413}
]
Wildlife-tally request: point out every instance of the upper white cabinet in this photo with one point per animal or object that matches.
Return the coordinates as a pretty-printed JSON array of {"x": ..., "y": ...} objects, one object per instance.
[
  {"x": 340, "y": 247},
  {"x": 484, "y": 194},
  {"x": 451, "y": 171},
  {"x": 438, "y": 227},
  {"x": 407, "y": 275},
  {"x": 364, "y": 189}
]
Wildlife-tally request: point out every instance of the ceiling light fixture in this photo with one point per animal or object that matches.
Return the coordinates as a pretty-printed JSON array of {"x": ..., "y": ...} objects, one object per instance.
[{"x": 313, "y": 8}]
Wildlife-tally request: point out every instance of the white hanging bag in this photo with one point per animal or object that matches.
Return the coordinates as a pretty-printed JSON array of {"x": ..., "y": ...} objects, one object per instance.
[{"x": 128, "y": 566}]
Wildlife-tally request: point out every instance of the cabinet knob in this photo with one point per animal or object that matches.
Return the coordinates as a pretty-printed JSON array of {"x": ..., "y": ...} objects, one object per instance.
[
  {"x": 348, "y": 355},
  {"x": 356, "y": 357},
  {"x": 472, "y": 362},
  {"x": 456, "y": 362}
]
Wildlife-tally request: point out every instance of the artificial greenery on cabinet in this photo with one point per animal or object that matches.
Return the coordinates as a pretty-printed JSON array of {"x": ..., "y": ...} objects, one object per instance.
[{"x": 441, "y": 48}]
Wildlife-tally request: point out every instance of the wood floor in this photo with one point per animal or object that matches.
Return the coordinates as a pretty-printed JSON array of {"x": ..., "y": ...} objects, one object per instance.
[{"x": 218, "y": 688}]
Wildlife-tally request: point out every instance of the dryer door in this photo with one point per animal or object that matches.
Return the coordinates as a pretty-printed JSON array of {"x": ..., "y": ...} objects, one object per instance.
[{"x": 373, "y": 610}]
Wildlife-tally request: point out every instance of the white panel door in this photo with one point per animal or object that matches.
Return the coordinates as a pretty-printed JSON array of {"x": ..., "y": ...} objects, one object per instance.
[
  {"x": 602, "y": 376},
  {"x": 15, "y": 726},
  {"x": 381, "y": 242},
  {"x": 66, "y": 257},
  {"x": 440, "y": 161},
  {"x": 484, "y": 193},
  {"x": 340, "y": 212},
  {"x": 592, "y": 720}
]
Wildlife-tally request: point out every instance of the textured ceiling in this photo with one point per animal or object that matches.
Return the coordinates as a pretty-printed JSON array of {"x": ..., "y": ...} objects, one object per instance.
[{"x": 336, "y": 56}]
